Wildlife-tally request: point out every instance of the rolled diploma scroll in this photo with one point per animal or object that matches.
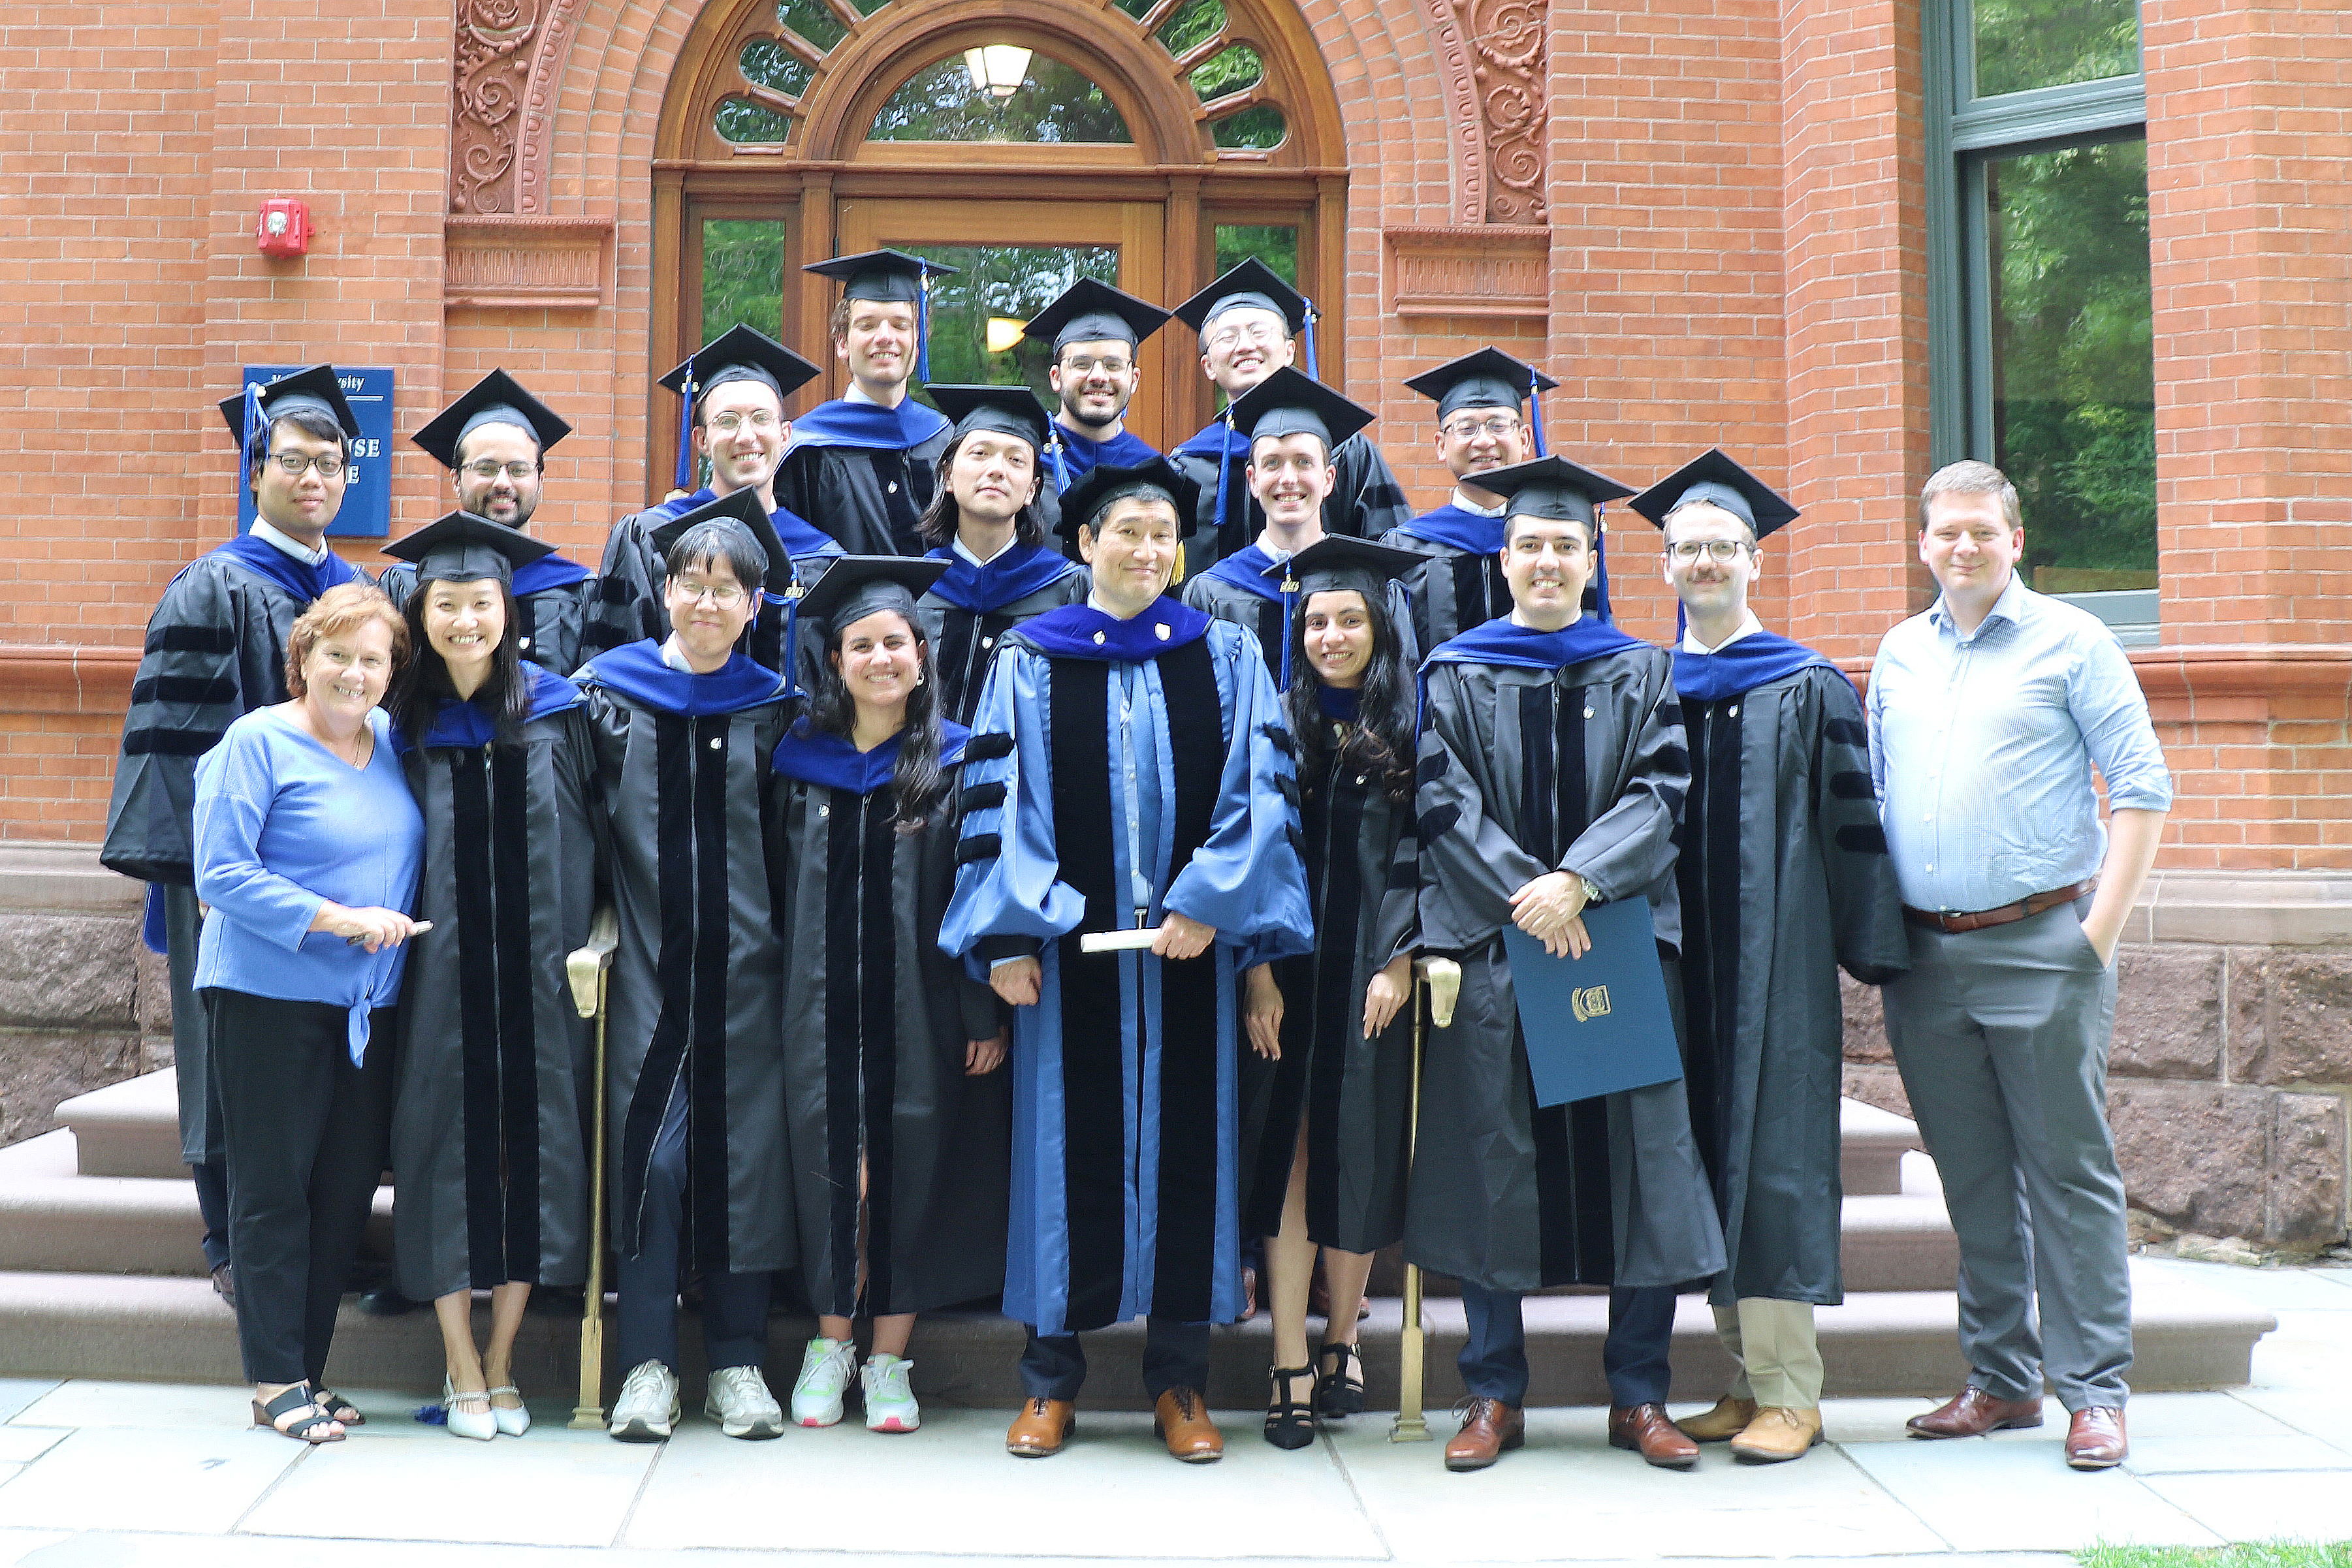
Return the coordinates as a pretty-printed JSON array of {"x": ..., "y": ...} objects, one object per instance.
[{"x": 1117, "y": 941}]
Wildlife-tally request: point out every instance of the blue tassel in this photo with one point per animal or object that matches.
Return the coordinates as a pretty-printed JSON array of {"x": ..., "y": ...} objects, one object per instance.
[
  {"x": 1312, "y": 374},
  {"x": 791, "y": 672},
  {"x": 252, "y": 419},
  {"x": 686, "y": 432},
  {"x": 1289, "y": 608},
  {"x": 1600, "y": 563},
  {"x": 922, "y": 333},
  {"x": 1224, "y": 461},
  {"x": 1535, "y": 411},
  {"x": 1061, "y": 469}
]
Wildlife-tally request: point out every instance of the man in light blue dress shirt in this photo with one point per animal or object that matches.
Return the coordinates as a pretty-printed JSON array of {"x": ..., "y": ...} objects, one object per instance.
[{"x": 1987, "y": 715}]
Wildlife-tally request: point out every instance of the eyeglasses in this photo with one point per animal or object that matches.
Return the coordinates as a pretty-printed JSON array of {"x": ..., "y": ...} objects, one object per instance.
[
  {"x": 728, "y": 424},
  {"x": 1496, "y": 429},
  {"x": 294, "y": 463},
  {"x": 1263, "y": 334},
  {"x": 486, "y": 469},
  {"x": 1687, "y": 550},
  {"x": 1082, "y": 365},
  {"x": 726, "y": 596}
]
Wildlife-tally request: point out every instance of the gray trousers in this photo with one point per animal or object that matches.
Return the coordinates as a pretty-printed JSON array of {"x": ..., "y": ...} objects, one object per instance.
[{"x": 2002, "y": 1039}]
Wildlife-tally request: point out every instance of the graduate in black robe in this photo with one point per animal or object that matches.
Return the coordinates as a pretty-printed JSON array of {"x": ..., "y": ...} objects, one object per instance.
[
  {"x": 495, "y": 1083},
  {"x": 1484, "y": 421},
  {"x": 1251, "y": 324},
  {"x": 1094, "y": 332},
  {"x": 864, "y": 465},
  {"x": 899, "y": 1117},
  {"x": 987, "y": 525},
  {"x": 1784, "y": 878},
  {"x": 1552, "y": 767},
  {"x": 494, "y": 440},
  {"x": 1324, "y": 1123},
  {"x": 700, "y": 1178},
  {"x": 215, "y": 651},
  {"x": 734, "y": 388}
]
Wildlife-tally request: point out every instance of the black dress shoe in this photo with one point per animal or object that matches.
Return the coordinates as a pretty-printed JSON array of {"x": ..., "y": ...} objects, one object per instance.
[{"x": 385, "y": 1301}]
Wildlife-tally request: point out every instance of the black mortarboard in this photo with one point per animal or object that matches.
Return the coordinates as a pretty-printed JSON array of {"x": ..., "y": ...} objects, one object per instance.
[
  {"x": 497, "y": 399},
  {"x": 1290, "y": 403},
  {"x": 741, "y": 507},
  {"x": 463, "y": 548},
  {"x": 856, "y": 586},
  {"x": 1552, "y": 487},
  {"x": 892, "y": 277},
  {"x": 1338, "y": 564},
  {"x": 1715, "y": 478},
  {"x": 1105, "y": 483},
  {"x": 1091, "y": 312},
  {"x": 741, "y": 354},
  {"x": 318, "y": 389},
  {"x": 1252, "y": 284},
  {"x": 1487, "y": 379},
  {"x": 1014, "y": 410}
]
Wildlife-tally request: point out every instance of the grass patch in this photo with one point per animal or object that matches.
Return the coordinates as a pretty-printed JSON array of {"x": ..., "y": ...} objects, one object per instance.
[{"x": 2246, "y": 1554}]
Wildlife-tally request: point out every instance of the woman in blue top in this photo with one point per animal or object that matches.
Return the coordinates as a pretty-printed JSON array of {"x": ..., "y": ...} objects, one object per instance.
[{"x": 306, "y": 844}]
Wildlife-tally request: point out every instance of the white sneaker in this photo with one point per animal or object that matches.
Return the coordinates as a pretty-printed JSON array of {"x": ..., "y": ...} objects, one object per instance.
[
  {"x": 825, "y": 1372},
  {"x": 889, "y": 1403},
  {"x": 647, "y": 1408},
  {"x": 740, "y": 1402}
]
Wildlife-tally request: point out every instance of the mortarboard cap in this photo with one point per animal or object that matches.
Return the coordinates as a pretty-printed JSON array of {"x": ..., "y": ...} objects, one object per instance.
[
  {"x": 1014, "y": 410},
  {"x": 318, "y": 389},
  {"x": 856, "y": 586},
  {"x": 1106, "y": 483},
  {"x": 497, "y": 399},
  {"x": 1252, "y": 285},
  {"x": 892, "y": 277},
  {"x": 741, "y": 354},
  {"x": 463, "y": 548},
  {"x": 1290, "y": 403},
  {"x": 1487, "y": 379},
  {"x": 1552, "y": 487},
  {"x": 1715, "y": 478},
  {"x": 742, "y": 509},
  {"x": 1338, "y": 564},
  {"x": 1091, "y": 312}
]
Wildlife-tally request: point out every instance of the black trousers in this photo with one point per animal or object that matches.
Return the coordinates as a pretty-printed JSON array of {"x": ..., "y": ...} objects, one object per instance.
[
  {"x": 1175, "y": 1355},
  {"x": 1494, "y": 1359},
  {"x": 307, "y": 1135},
  {"x": 211, "y": 1177},
  {"x": 734, "y": 1306}
]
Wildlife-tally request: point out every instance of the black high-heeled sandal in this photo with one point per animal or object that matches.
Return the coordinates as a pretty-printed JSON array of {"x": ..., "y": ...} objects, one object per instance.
[
  {"x": 1290, "y": 1423},
  {"x": 310, "y": 1429},
  {"x": 1340, "y": 1393},
  {"x": 338, "y": 1408}
]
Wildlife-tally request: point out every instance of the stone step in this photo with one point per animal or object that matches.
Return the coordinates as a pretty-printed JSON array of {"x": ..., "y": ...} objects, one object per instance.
[
  {"x": 1871, "y": 1146},
  {"x": 1898, "y": 1344}
]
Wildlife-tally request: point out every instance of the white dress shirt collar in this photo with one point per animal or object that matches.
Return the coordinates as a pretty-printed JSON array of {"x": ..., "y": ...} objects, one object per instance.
[
  {"x": 1748, "y": 626},
  {"x": 290, "y": 545}
]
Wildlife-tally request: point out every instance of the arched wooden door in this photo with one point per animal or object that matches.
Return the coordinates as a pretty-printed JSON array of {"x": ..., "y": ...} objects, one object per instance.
[{"x": 1148, "y": 143}]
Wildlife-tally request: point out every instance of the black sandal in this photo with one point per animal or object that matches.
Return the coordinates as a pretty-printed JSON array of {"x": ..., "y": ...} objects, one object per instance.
[
  {"x": 1289, "y": 1423},
  {"x": 296, "y": 1396},
  {"x": 338, "y": 1408},
  {"x": 1340, "y": 1393}
]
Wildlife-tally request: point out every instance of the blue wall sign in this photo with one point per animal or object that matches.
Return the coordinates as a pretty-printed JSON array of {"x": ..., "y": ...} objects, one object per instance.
[{"x": 367, "y": 496}]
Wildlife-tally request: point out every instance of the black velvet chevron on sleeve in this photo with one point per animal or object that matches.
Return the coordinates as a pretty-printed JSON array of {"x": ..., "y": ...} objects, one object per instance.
[
  {"x": 1435, "y": 824},
  {"x": 1281, "y": 738},
  {"x": 1863, "y": 838},
  {"x": 1847, "y": 731},
  {"x": 980, "y": 797},
  {"x": 979, "y": 847},
  {"x": 1850, "y": 785},
  {"x": 184, "y": 689},
  {"x": 987, "y": 748},
  {"x": 159, "y": 741},
  {"x": 190, "y": 639}
]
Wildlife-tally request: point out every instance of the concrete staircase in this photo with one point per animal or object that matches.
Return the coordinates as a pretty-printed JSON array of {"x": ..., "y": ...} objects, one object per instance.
[{"x": 100, "y": 1276}]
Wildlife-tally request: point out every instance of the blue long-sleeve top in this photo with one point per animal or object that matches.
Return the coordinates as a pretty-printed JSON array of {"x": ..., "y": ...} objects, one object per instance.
[{"x": 283, "y": 826}]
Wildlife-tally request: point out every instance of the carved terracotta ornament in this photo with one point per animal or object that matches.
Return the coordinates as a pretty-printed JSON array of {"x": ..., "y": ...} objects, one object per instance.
[
  {"x": 499, "y": 134},
  {"x": 1507, "y": 39}
]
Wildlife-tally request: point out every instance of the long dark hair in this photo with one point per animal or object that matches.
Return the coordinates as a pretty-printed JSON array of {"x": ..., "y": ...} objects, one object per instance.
[
  {"x": 917, "y": 781},
  {"x": 1380, "y": 740},
  {"x": 424, "y": 685},
  {"x": 939, "y": 519}
]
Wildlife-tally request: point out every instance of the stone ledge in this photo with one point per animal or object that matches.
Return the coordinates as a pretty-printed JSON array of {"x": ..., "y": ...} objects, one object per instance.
[
  {"x": 63, "y": 879},
  {"x": 2244, "y": 908}
]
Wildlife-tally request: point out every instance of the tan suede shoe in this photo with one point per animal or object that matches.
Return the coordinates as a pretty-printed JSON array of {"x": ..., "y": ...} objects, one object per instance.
[
  {"x": 1725, "y": 1421},
  {"x": 1777, "y": 1435}
]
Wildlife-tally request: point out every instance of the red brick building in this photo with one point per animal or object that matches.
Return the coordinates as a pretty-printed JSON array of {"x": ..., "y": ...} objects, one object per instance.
[{"x": 1847, "y": 239}]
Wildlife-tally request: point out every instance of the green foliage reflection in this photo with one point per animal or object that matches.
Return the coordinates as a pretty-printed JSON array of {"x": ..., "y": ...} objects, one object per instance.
[
  {"x": 2023, "y": 43},
  {"x": 1276, "y": 245},
  {"x": 813, "y": 20},
  {"x": 1228, "y": 70},
  {"x": 1259, "y": 126},
  {"x": 768, "y": 64},
  {"x": 1010, "y": 282},
  {"x": 740, "y": 119},
  {"x": 742, "y": 276},
  {"x": 1055, "y": 103}
]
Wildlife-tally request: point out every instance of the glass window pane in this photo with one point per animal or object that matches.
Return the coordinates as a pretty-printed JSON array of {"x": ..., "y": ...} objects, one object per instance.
[
  {"x": 1259, "y": 126},
  {"x": 1004, "y": 284},
  {"x": 867, "y": 8},
  {"x": 743, "y": 275},
  {"x": 2074, "y": 367},
  {"x": 1135, "y": 8},
  {"x": 1052, "y": 102},
  {"x": 740, "y": 120},
  {"x": 813, "y": 20},
  {"x": 767, "y": 64},
  {"x": 1193, "y": 23},
  {"x": 1276, "y": 245},
  {"x": 1228, "y": 70},
  {"x": 2023, "y": 43}
]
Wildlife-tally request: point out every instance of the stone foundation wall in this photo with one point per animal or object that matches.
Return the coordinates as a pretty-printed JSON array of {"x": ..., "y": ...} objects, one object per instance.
[{"x": 83, "y": 1004}]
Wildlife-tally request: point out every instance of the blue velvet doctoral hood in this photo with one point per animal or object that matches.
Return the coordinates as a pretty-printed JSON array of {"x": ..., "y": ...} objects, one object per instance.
[
  {"x": 1467, "y": 531},
  {"x": 637, "y": 673},
  {"x": 462, "y": 723},
  {"x": 1015, "y": 574},
  {"x": 866, "y": 426},
  {"x": 1082, "y": 632},
  {"x": 1502, "y": 642},
  {"x": 816, "y": 757},
  {"x": 1755, "y": 660},
  {"x": 300, "y": 579}
]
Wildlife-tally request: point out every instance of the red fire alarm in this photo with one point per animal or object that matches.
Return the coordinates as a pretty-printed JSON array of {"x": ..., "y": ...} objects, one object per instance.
[{"x": 284, "y": 227}]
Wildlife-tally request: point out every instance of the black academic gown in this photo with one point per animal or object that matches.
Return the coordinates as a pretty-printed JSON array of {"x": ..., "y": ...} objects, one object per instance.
[
  {"x": 627, "y": 608},
  {"x": 698, "y": 980},
  {"x": 1355, "y": 1094},
  {"x": 549, "y": 624},
  {"x": 1366, "y": 501},
  {"x": 1783, "y": 877},
  {"x": 215, "y": 651},
  {"x": 964, "y": 621},
  {"x": 1234, "y": 588},
  {"x": 1453, "y": 588},
  {"x": 875, "y": 1022},
  {"x": 1524, "y": 771},
  {"x": 491, "y": 1122},
  {"x": 867, "y": 499}
]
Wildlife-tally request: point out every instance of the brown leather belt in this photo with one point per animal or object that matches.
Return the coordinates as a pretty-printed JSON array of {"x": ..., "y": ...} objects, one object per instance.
[{"x": 1978, "y": 919}]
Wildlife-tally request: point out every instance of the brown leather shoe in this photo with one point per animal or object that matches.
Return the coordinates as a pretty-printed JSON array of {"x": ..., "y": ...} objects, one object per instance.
[
  {"x": 1490, "y": 1429},
  {"x": 1646, "y": 1428},
  {"x": 1179, "y": 1416},
  {"x": 2095, "y": 1438},
  {"x": 1777, "y": 1434},
  {"x": 1725, "y": 1421},
  {"x": 1971, "y": 1413},
  {"x": 1042, "y": 1428},
  {"x": 1249, "y": 1292}
]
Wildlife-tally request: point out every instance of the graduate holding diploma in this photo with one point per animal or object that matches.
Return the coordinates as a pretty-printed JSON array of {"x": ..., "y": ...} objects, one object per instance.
[{"x": 1551, "y": 767}]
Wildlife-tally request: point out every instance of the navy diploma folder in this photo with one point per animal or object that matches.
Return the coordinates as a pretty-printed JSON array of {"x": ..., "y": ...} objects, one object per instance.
[{"x": 1599, "y": 1024}]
